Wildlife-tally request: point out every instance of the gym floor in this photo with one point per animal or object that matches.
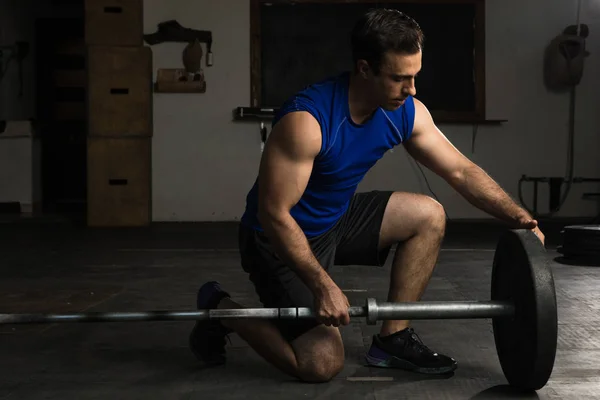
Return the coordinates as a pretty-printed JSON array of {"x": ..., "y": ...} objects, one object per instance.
[{"x": 50, "y": 266}]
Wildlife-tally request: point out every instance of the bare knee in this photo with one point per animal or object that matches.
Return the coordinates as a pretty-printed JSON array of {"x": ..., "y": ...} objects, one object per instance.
[
  {"x": 435, "y": 217},
  {"x": 319, "y": 354},
  {"x": 408, "y": 215},
  {"x": 321, "y": 369}
]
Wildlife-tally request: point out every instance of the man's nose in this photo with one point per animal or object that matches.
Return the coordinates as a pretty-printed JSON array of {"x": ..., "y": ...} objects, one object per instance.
[{"x": 410, "y": 88}]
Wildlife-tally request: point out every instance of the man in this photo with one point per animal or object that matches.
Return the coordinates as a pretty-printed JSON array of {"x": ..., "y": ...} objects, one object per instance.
[{"x": 303, "y": 215}]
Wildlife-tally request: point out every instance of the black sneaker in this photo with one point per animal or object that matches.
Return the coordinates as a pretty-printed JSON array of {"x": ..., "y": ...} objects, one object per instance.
[
  {"x": 405, "y": 350},
  {"x": 207, "y": 339}
]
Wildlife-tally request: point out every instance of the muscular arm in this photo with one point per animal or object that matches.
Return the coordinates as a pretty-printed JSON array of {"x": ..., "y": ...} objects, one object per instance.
[
  {"x": 429, "y": 146},
  {"x": 285, "y": 168}
]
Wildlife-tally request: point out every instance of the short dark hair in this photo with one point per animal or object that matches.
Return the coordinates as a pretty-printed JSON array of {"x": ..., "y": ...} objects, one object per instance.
[{"x": 381, "y": 30}]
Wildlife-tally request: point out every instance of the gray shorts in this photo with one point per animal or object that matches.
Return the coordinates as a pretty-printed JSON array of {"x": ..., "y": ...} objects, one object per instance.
[{"x": 354, "y": 240}]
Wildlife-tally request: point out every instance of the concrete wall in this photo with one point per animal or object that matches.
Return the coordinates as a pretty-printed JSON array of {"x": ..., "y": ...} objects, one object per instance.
[{"x": 204, "y": 163}]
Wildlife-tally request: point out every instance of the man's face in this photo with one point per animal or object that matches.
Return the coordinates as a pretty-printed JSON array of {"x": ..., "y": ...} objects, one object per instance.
[{"x": 396, "y": 79}]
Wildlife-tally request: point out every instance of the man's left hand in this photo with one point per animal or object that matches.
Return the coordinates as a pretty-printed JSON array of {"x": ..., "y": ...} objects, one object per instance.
[
  {"x": 540, "y": 235},
  {"x": 530, "y": 223}
]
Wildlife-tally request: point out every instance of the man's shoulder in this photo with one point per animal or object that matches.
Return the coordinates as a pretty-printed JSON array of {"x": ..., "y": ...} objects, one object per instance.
[
  {"x": 325, "y": 87},
  {"x": 320, "y": 99},
  {"x": 321, "y": 93}
]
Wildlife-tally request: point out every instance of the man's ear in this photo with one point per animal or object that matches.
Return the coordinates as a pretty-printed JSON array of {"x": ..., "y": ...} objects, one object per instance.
[{"x": 363, "y": 68}]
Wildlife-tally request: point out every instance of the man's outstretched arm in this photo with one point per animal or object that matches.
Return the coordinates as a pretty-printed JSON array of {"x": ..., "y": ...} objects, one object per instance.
[{"x": 430, "y": 147}]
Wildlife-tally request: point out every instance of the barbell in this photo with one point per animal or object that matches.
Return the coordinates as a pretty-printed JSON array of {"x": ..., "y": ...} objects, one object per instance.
[
  {"x": 372, "y": 311},
  {"x": 522, "y": 308}
]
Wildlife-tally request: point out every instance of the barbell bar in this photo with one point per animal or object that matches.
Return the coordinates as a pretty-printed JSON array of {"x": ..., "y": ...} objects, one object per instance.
[{"x": 372, "y": 311}]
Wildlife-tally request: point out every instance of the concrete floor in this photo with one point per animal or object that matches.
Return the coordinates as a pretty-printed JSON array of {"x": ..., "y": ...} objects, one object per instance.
[{"x": 56, "y": 267}]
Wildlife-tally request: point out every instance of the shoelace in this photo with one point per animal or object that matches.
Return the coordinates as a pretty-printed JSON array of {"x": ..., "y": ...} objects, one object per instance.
[{"x": 415, "y": 342}]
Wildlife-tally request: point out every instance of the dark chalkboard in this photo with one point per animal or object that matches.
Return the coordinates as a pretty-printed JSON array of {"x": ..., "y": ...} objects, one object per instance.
[{"x": 301, "y": 43}]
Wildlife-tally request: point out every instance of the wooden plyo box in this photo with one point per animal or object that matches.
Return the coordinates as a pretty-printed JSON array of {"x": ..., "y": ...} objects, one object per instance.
[
  {"x": 119, "y": 90},
  {"x": 114, "y": 22},
  {"x": 119, "y": 182}
]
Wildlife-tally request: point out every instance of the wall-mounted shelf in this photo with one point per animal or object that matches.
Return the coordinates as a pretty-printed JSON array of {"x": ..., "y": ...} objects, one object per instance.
[{"x": 177, "y": 80}]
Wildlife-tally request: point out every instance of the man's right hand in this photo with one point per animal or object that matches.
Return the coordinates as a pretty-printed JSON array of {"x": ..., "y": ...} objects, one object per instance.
[{"x": 331, "y": 306}]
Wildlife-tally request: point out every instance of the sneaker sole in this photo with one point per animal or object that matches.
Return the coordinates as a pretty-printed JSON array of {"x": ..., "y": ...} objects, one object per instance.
[{"x": 398, "y": 363}]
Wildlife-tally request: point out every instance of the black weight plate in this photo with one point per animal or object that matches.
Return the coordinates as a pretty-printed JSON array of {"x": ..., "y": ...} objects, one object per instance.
[
  {"x": 579, "y": 233},
  {"x": 581, "y": 242},
  {"x": 526, "y": 343},
  {"x": 586, "y": 229}
]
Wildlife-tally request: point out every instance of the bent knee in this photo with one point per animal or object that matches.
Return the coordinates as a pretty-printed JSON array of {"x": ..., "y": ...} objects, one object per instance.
[
  {"x": 321, "y": 370},
  {"x": 320, "y": 354},
  {"x": 435, "y": 220},
  {"x": 410, "y": 214}
]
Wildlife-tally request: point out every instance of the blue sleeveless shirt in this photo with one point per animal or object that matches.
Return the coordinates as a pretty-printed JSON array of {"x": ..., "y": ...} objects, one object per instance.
[{"x": 348, "y": 151}]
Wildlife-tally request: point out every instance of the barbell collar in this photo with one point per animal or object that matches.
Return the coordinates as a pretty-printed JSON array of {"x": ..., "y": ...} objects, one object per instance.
[{"x": 372, "y": 311}]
